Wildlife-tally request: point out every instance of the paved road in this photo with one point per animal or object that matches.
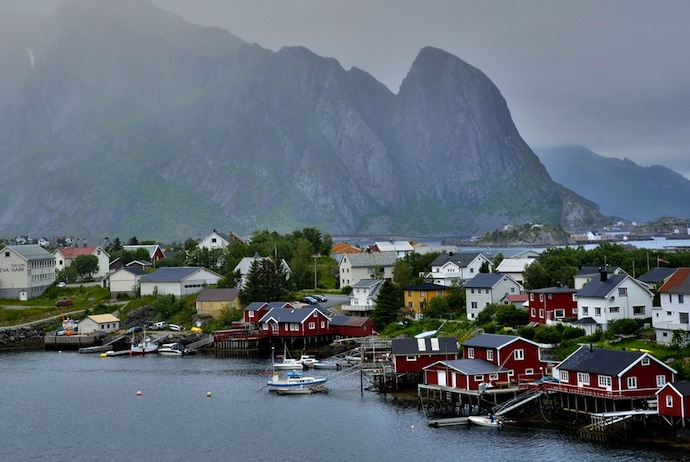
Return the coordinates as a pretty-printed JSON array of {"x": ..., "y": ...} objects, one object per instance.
[{"x": 39, "y": 321}]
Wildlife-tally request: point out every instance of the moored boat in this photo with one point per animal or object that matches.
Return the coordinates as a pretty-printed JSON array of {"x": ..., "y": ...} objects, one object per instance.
[
  {"x": 485, "y": 421},
  {"x": 143, "y": 345},
  {"x": 171, "y": 349},
  {"x": 294, "y": 381}
]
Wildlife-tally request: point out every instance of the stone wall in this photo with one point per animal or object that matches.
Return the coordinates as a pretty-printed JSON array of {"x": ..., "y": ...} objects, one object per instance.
[{"x": 21, "y": 337}]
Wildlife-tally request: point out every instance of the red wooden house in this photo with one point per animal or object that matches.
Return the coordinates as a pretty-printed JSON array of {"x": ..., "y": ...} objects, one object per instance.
[
  {"x": 352, "y": 326},
  {"x": 551, "y": 304},
  {"x": 611, "y": 374},
  {"x": 412, "y": 355},
  {"x": 465, "y": 374},
  {"x": 521, "y": 357},
  {"x": 673, "y": 403},
  {"x": 308, "y": 321},
  {"x": 255, "y": 310}
]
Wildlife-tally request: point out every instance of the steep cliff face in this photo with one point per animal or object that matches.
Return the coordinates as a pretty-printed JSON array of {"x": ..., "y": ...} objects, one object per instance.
[{"x": 155, "y": 127}]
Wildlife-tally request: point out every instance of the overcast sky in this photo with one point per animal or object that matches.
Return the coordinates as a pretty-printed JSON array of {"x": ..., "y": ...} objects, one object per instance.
[{"x": 611, "y": 75}]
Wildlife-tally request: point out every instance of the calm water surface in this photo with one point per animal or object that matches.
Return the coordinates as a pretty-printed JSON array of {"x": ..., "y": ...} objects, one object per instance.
[{"x": 67, "y": 407}]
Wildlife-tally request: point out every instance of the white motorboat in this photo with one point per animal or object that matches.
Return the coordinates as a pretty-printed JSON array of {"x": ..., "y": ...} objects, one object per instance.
[
  {"x": 293, "y": 382},
  {"x": 308, "y": 361},
  {"x": 171, "y": 349},
  {"x": 143, "y": 345},
  {"x": 286, "y": 363},
  {"x": 485, "y": 421}
]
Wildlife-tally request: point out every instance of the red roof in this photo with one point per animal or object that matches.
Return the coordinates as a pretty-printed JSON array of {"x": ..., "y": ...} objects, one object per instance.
[
  {"x": 677, "y": 279},
  {"x": 517, "y": 298},
  {"x": 70, "y": 253}
]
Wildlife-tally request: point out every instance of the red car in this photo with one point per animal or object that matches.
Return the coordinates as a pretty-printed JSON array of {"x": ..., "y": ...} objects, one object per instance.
[{"x": 64, "y": 302}]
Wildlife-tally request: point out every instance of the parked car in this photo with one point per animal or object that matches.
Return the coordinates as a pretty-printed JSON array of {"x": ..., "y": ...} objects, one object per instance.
[
  {"x": 319, "y": 298},
  {"x": 175, "y": 327},
  {"x": 64, "y": 302},
  {"x": 160, "y": 325},
  {"x": 134, "y": 329},
  {"x": 309, "y": 300},
  {"x": 61, "y": 284}
]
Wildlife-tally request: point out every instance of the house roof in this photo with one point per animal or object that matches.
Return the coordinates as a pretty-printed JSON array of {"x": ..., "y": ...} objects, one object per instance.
[
  {"x": 433, "y": 345},
  {"x": 553, "y": 290},
  {"x": 683, "y": 388},
  {"x": 462, "y": 259},
  {"x": 31, "y": 252},
  {"x": 678, "y": 283},
  {"x": 426, "y": 287},
  {"x": 600, "y": 361},
  {"x": 286, "y": 315},
  {"x": 492, "y": 341},
  {"x": 394, "y": 246},
  {"x": 349, "y": 321},
  {"x": 150, "y": 248},
  {"x": 594, "y": 270},
  {"x": 515, "y": 298},
  {"x": 471, "y": 366},
  {"x": 135, "y": 270},
  {"x": 366, "y": 259},
  {"x": 172, "y": 274},
  {"x": 70, "y": 253},
  {"x": 596, "y": 288},
  {"x": 342, "y": 247},
  {"x": 103, "y": 318},
  {"x": 514, "y": 265},
  {"x": 585, "y": 321},
  {"x": 655, "y": 275},
  {"x": 256, "y": 306},
  {"x": 486, "y": 280},
  {"x": 217, "y": 295}
]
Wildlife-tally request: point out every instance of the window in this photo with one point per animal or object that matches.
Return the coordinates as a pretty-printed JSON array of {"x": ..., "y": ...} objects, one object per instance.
[
  {"x": 638, "y": 310},
  {"x": 474, "y": 305},
  {"x": 471, "y": 270},
  {"x": 478, "y": 378},
  {"x": 312, "y": 325},
  {"x": 251, "y": 314},
  {"x": 531, "y": 297},
  {"x": 622, "y": 291},
  {"x": 519, "y": 355},
  {"x": 585, "y": 311},
  {"x": 681, "y": 298},
  {"x": 582, "y": 378},
  {"x": 632, "y": 382},
  {"x": 541, "y": 313},
  {"x": 529, "y": 371},
  {"x": 669, "y": 400},
  {"x": 471, "y": 291},
  {"x": 489, "y": 355},
  {"x": 410, "y": 358},
  {"x": 533, "y": 312},
  {"x": 683, "y": 318},
  {"x": 487, "y": 291},
  {"x": 409, "y": 293},
  {"x": 512, "y": 290},
  {"x": 605, "y": 381},
  {"x": 470, "y": 353},
  {"x": 645, "y": 361},
  {"x": 541, "y": 297},
  {"x": 323, "y": 324},
  {"x": 614, "y": 309},
  {"x": 493, "y": 377},
  {"x": 559, "y": 313},
  {"x": 564, "y": 376},
  {"x": 409, "y": 304},
  {"x": 597, "y": 311},
  {"x": 660, "y": 380}
]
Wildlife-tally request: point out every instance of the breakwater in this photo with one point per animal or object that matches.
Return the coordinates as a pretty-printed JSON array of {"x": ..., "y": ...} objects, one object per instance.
[{"x": 22, "y": 337}]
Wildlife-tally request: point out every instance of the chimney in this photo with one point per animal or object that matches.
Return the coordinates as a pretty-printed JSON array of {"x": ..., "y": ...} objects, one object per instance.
[{"x": 604, "y": 275}]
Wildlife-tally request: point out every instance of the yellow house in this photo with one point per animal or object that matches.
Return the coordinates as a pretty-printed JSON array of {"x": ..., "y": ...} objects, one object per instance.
[
  {"x": 417, "y": 297},
  {"x": 212, "y": 301}
]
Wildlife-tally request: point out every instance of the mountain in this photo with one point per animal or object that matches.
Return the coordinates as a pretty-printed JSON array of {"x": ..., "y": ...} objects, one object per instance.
[
  {"x": 123, "y": 119},
  {"x": 622, "y": 188}
]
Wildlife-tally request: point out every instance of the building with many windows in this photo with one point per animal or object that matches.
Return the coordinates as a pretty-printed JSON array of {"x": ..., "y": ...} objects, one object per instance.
[{"x": 26, "y": 271}]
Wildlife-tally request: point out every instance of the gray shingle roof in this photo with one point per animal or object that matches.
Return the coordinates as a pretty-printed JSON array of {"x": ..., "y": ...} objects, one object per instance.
[
  {"x": 32, "y": 252},
  {"x": 484, "y": 280},
  {"x": 410, "y": 346},
  {"x": 600, "y": 361},
  {"x": 489, "y": 341},
  {"x": 655, "y": 275},
  {"x": 596, "y": 288},
  {"x": 462, "y": 259},
  {"x": 134, "y": 270},
  {"x": 283, "y": 315},
  {"x": 217, "y": 295},
  {"x": 474, "y": 366},
  {"x": 171, "y": 274},
  {"x": 366, "y": 259},
  {"x": 350, "y": 321},
  {"x": 554, "y": 290},
  {"x": 682, "y": 387}
]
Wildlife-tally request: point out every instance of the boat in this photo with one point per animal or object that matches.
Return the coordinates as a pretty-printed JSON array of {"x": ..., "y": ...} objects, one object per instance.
[
  {"x": 295, "y": 383},
  {"x": 286, "y": 363},
  {"x": 308, "y": 361},
  {"x": 142, "y": 345},
  {"x": 328, "y": 365},
  {"x": 485, "y": 421},
  {"x": 171, "y": 349}
]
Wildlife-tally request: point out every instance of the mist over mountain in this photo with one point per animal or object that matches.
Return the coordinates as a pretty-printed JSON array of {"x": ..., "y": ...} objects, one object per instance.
[
  {"x": 123, "y": 119},
  {"x": 622, "y": 188}
]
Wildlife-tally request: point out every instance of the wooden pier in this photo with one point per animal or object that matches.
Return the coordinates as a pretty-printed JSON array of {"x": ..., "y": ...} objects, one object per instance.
[{"x": 68, "y": 342}]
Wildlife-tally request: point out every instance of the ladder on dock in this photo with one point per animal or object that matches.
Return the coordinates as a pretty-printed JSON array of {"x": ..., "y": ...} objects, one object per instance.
[
  {"x": 200, "y": 343},
  {"x": 518, "y": 401}
]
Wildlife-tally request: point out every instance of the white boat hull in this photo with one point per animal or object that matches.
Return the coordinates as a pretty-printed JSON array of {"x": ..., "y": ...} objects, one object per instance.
[
  {"x": 297, "y": 382},
  {"x": 484, "y": 421}
]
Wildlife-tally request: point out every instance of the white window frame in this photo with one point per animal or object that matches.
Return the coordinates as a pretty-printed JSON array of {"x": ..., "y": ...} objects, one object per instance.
[
  {"x": 557, "y": 311},
  {"x": 605, "y": 381},
  {"x": 660, "y": 380},
  {"x": 582, "y": 379},
  {"x": 489, "y": 355},
  {"x": 632, "y": 382},
  {"x": 470, "y": 353},
  {"x": 669, "y": 401},
  {"x": 564, "y": 376},
  {"x": 519, "y": 354}
]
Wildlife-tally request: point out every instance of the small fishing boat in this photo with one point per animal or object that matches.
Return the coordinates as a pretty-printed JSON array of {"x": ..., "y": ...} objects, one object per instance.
[
  {"x": 287, "y": 363},
  {"x": 308, "y": 361},
  {"x": 171, "y": 349},
  {"x": 142, "y": 345}
]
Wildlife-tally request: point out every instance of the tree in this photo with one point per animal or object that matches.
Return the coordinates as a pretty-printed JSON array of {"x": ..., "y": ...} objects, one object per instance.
[
  {"x": 484, "y": 267},
  {"x": 389, "y": 302},
  {"x": 497, "y": 260},
  {"x": 679, "y": 339},
  {"x": 402, "y": 274},
  {"x": 85, "y": 265},
  {"x": 511, "y": 316},
  {"x": 266, "y": 282},
  {"x": 133, "y": 241},
  {"x": 536, "y": 277}
]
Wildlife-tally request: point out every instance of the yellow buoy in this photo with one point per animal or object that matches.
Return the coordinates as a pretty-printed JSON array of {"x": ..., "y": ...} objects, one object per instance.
[
  {"x": 208, "y": 394},
  {"x": 103, "y": 355}
]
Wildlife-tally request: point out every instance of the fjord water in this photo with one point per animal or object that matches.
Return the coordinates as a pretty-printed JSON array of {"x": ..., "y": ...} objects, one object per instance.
[{"x": 73, "y": 407}]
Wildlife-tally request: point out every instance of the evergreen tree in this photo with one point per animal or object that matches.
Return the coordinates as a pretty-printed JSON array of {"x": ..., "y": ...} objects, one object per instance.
[
  {"x": 266, "y": 282},
  {"x": 389, "y": 303}
]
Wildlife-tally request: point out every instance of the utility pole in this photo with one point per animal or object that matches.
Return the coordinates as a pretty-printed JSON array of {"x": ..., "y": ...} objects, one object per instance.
[{"x": 315, "y": 273}]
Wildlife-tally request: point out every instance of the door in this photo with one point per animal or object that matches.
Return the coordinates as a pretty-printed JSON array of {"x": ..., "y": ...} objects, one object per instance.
[{"x": 441, "y": 378}]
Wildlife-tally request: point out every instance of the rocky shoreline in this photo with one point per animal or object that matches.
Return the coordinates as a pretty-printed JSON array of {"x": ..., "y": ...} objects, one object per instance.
[{"x": 22, "y": 337}]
